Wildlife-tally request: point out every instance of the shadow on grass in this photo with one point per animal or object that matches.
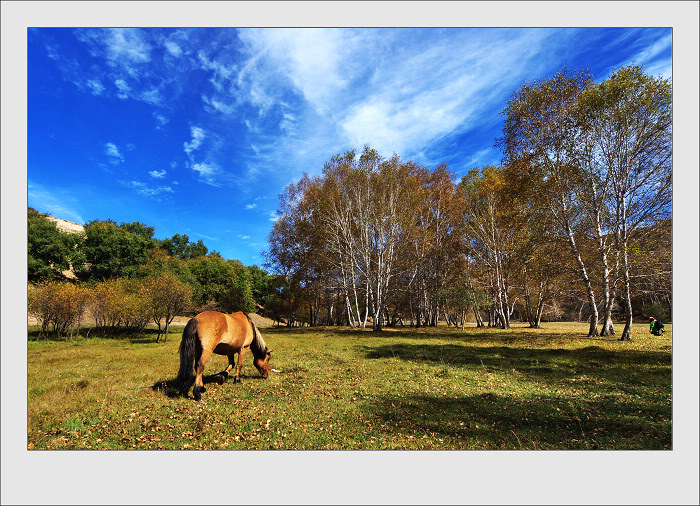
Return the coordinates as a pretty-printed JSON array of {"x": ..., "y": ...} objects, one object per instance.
[
  {"x": 491, "y": 334},
  {"x": 144, "y": 336},
  {"x": 171, "y": 388},
  {"x": 387, "y": 332},
  {"x": 492, "y": 421},
  {"x": 544, "y": 364}
]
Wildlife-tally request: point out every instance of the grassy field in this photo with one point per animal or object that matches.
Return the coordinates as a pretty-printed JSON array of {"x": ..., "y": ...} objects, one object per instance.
[{"x": 550, "y": 388}]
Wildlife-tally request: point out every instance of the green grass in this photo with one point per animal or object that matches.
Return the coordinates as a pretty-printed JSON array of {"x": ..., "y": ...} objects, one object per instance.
[{"x": 550, "y": 388}]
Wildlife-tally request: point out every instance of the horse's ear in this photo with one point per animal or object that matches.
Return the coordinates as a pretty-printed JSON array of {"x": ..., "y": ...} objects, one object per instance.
[{"x": 269, "y": 352}]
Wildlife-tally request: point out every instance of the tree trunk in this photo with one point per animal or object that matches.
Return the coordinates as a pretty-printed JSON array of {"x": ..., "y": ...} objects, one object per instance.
[
  {"x": 168, "y": 319},
  {"x": 608, "y": 327},
  {"x": 626, "y": 332},
  {"x": 593, "y": 328}
]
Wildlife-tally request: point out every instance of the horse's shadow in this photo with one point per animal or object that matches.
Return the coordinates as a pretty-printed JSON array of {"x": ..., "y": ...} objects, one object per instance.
[{"x": 172, "y": 389}]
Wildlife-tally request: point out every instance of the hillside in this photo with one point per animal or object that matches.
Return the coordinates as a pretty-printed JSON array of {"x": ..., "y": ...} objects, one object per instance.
[{"x": 65, "y": 225}]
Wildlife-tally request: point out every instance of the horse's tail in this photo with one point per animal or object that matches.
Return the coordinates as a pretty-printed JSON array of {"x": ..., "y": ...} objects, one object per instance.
[{"x": 185, "y": 375}]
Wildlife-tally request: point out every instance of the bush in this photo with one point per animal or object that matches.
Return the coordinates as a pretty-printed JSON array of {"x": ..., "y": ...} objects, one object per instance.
[
  {"x": 120, "y": 303},
  {"x": 60, "y": 305},
  {"x": 659, "y": 311}
]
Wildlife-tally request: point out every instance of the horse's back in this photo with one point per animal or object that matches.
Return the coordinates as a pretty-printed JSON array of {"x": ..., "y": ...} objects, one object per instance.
[{"x": 215, "y": 327}]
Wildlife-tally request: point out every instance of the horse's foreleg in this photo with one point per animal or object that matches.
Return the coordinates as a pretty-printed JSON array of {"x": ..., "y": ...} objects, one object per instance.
[
  {"x": 198, "y": 382},
  {"x": 241, "y": 356}
]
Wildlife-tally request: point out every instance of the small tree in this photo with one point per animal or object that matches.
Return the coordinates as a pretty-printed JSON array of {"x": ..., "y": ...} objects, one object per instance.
[
  {"x": 60, "y": 305},
  {"x": 40, "y": 304},
  {"x": 167, "y": 297}
]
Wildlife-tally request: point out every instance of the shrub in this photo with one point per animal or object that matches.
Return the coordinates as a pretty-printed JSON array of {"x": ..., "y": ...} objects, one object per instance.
[
  {"x": 60, "y": 305},
  {"x": 120, "y": 303}
]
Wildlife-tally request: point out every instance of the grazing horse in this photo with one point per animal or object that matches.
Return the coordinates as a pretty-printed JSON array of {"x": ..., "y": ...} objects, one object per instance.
[{"x": 224, "y": 334}]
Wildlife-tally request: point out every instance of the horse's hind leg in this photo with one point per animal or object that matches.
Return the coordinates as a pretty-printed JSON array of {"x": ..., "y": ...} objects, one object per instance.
[{"x": 198, "y": 382}]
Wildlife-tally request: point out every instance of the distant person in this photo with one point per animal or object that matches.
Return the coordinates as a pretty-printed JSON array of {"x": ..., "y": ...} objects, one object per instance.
[{"x": 655, "y": 326}]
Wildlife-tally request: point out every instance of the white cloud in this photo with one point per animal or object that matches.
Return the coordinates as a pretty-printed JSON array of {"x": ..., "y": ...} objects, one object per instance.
[
  {"x": 243, "y": 237},
  {"x": 158, "y": 174},
  {"x": 95, "y": 86},
  {"x": 151, "y": 96},
  {"x": 204, "y": 169},
  {"x": 651, "y": 52},
  {"x": 126, "y": 46},
  {"x": 198, "y": 136},
  {"x": 173, "y": 48},
  {"x": 251, "y": 206},
  {"x": 216, "y": 105},
  {"x": 123, "y": 88},
  {"x": 112, "y": 151},
  {"x": 396, "y": 90},
  {"x": 649, "y": 58},
  {"x": 318, "y": 62}
]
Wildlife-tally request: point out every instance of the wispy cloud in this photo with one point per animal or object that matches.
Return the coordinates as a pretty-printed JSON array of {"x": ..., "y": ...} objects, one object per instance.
[
  {"x": 173, "y": 48},
  {"x": 305, "y": 94},
  {"x": 56, "y": 202},
  {"x": 149, "y": 191},
  {"x": 397, "y": 90},
  {"x": 112, "y": 151},
  {"x": 211, "y": 238},
  {"x": 651, "y": 57},
  {"x": 123, "y": 48},
  {"x": 95, "y": 86}
]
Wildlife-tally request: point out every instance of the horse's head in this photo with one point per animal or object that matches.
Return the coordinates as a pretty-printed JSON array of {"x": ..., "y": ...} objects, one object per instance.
[{"x": 263, "y": 364}]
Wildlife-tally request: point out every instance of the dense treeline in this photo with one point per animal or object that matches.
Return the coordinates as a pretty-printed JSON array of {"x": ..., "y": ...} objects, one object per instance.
[
  {"x": 126, "y": 278},
  {"x": 576, "y": 220}
]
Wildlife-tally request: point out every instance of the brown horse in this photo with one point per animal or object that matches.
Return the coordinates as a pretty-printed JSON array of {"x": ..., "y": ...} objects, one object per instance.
[{"x": 224, "y": 334}]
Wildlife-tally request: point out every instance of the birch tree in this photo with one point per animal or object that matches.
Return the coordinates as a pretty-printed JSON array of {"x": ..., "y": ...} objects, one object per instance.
[
  {"x": 629, "y": 120},
  {"x": 539, "y": 135}
]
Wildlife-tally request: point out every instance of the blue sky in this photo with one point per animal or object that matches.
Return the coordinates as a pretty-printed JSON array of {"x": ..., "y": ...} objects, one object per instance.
[{"x": 197, "y": 131}]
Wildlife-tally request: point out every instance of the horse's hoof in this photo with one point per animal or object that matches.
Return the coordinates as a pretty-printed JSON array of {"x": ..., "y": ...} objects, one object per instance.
[
  {"x": 202, "y": 390},
  {"x": 197, "y": 396},
  {"x": 236, "y": 379}
]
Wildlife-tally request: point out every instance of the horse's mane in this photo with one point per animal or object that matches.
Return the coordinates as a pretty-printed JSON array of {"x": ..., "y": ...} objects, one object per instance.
[{"x": 258, "y": 346}]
